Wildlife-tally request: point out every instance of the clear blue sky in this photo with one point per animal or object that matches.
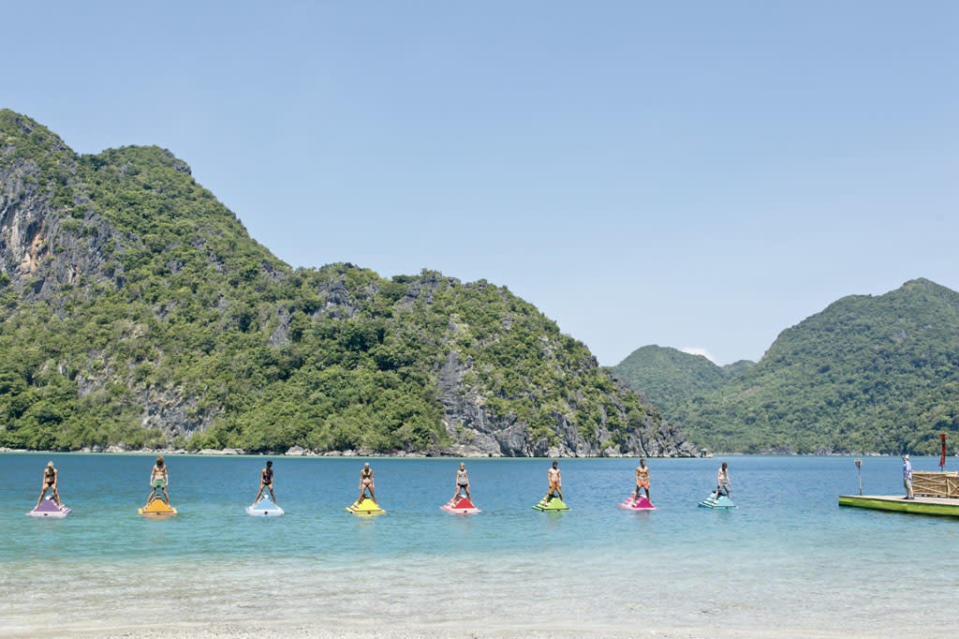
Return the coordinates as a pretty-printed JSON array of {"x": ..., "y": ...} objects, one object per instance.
[{"x": 697, "y": 174}]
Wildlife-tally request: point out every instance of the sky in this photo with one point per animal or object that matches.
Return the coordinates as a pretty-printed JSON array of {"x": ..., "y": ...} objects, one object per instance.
[{"x": 699, "y": 175}]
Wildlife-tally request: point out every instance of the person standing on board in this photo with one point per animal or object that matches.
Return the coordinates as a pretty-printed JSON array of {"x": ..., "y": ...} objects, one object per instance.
[
  {"x": 907, "y": 477},
  {"x": 159, "y": 479},
  {"x": 266, "y": 481},
  {"x": 366, "y": 483},
  {"x": 555, "y": 479},
  {"x": 722, "y": 482},
  {"x": 642, "y": 479},
  {"x": 50, "y": 483},
  {"x": 462, "y": 483}
]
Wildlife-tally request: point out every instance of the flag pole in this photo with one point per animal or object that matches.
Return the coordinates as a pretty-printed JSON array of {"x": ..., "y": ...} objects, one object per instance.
[{"x": 942, "y": 459}]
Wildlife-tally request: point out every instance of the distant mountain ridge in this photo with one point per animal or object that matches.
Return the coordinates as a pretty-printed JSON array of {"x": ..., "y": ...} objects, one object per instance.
[
  {"x": 668, "y": 376},
  {"x": 135, "y": 310},
  {"x": 868, "y": 373}
]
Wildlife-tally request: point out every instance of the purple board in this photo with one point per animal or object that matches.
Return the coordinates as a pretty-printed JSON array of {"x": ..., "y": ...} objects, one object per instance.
[{"x": 49, "y": 508}]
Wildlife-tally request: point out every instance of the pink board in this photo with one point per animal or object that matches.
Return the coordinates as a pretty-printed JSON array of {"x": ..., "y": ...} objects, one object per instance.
[
  {"x": 639, "y": 504},
  {"x": 462, "y": 506}
]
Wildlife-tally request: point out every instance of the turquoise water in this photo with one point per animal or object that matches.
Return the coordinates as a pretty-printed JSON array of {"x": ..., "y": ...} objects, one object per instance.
[{"x": 787, "y": 562}]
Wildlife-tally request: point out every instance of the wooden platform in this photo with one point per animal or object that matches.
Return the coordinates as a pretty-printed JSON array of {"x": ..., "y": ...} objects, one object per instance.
[
  {"x": 937, "y": 506},
  {"x": 933, "y": 484}
]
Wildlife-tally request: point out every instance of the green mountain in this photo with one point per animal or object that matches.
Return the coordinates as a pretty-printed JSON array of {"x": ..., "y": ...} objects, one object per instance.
[
  {"x": 669, "y": 377},
  {"x": 136, "y": 310},
  {"x": 866, "y": 374}
]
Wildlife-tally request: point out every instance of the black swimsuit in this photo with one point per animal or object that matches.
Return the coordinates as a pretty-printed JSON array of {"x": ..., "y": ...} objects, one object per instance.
[
  {"x": 50, "y": 477},
  {"x": 268, "y": 477}
]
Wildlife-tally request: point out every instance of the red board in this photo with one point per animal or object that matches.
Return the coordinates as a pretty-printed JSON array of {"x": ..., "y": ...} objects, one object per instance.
[{"x": 462, "y": 506}]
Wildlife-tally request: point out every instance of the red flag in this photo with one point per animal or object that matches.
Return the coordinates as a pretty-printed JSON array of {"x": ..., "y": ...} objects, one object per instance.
[{"x": 942, "y": 460}]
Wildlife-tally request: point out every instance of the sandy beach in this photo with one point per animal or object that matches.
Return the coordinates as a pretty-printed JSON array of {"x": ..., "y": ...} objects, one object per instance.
[{"x": 449, "y": 630}]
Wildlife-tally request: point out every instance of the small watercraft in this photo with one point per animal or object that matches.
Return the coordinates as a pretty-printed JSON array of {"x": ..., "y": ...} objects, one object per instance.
[
  {"x": 554, "y": 504},
  {"x": 722, "y": 501},
  {"x": 462, "y": 506},
  {"x": 157, "y": 509},
  {"x": 264, "y": 507},
  {"x": 632, "y": 503},
  {"x": 48, "y": 508},
  {"x": 365, "y": 508}
]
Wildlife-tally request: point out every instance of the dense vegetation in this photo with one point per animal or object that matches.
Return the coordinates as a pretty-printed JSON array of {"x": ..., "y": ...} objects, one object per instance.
[
  {"x": 668, "y": 376},
  {"x": 135, "y": 309},
  {"x": 866, "y": 374}
]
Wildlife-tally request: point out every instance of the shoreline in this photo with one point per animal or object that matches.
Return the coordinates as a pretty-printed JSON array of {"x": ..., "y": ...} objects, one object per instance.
[
  {"x": 359, "y": 454},
  {"x": 384, "y": 630},
  {"x": 239, "y": 452}
]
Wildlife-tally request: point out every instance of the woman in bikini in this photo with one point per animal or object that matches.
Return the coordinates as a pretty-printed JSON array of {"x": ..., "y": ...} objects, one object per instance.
[
  {"x": 50, "y": 483},
  {"x": 462, "y": 483},
  {"x": 159, "y": 479},
  {"x": 266, "y": 481},
  {"x": 366, "y": 483}
]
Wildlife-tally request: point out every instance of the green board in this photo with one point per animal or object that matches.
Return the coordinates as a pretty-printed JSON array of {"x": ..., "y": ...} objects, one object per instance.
[{"x": 554, "y": 504}]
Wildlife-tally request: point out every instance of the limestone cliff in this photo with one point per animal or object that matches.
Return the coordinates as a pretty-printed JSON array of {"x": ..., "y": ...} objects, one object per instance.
[{"x": 137, "y": 311}]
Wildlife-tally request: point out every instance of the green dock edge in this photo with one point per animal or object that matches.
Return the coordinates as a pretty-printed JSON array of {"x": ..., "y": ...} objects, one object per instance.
[{"x": 907, "y": 507}]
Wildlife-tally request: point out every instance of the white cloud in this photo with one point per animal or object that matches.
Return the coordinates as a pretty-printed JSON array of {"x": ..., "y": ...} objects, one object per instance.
[{"x": 693, "y": 350}]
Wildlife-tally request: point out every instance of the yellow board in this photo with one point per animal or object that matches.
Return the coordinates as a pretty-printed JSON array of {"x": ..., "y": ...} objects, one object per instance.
[
  {"x": 365, "y": 508},
  {"x": 157, "y": 509}
]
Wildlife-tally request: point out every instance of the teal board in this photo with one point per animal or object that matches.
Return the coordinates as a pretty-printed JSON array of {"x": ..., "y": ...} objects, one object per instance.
[{"x": 722, "y": 502}]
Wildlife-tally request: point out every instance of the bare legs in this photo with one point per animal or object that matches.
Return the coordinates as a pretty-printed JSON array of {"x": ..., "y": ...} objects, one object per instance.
[
  {"x": 268, "y": 487},
  {"x": 553, "y": 489},
  {"x": 56, "y": 495},
  {"x": 363, "y": 490},
  {"x": 166, "y": 497},
  {"x": 460, "y": 489}
]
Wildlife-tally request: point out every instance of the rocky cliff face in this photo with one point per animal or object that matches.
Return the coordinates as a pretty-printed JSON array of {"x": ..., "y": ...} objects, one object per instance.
[
  {"x": 49, "y": 235},
  {"x": 136, "y": 311},
  {"x": 474, "y": 431}
]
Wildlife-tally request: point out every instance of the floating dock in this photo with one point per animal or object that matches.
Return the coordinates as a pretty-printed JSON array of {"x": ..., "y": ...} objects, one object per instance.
[{"x": 936, "y": 506}]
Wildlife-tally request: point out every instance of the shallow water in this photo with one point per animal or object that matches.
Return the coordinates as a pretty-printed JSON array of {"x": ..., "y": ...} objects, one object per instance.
[{"x": 787, "y": 562}]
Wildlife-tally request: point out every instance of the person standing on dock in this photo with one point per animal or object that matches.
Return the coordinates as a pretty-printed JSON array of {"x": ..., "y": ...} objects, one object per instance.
[
  {"x": 907, "y": 477},
  {"x": 642, "y": 479}
]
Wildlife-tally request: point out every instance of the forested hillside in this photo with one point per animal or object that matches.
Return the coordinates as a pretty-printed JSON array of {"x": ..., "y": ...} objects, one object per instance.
[
  {"x": 137, "y": 310},
  {"x": 669, "y": 377},
  {"x": 869, "y": 373}
]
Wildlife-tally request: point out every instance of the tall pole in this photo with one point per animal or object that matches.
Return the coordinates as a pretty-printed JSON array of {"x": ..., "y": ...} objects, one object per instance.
[
  {"x": 942, "y": 459},
  {"x": 858, "y": 463}
]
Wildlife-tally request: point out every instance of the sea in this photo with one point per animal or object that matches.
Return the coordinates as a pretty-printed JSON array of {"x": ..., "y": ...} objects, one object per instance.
[{"x": 787, "y": 562}]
